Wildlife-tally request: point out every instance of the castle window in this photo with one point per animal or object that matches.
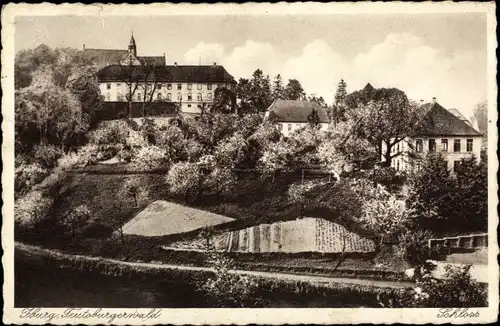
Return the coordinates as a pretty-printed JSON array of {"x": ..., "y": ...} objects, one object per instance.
[
  {"x": 209, "y": 87},
  {"x": 209, "y": 96},
  {"x": 199, "y": 97},
  {"x": 169, "y": 97},
  {"x": 432, "y": 145},
  {"x": 444, "y": 145},
  {"x": 200, "y": 86},
  {"x": 419, "y": 145},
  {"x": 190, "y": 97},
  {"x": 158, "y": 96},
  {"x": 169, "y": 86},
  {"x": 190, "y": 86},
  {"x": 179, "y": 87},
  {"x": 108, "y": 97},
  {"x": 289, "y": 127},
  {"x": 280, "y": 126},
  {"x": 456, "y": 145},
  {"x": 139, "y": 97},
  {"x": 159, "y": 85},
  {"x": 189, "y": 105},
  {"x": 119, "y": 97},
  {"x": 108, "y": 86},
  {"x": 179, "y": 97},
  {"x": 469, "y": 145}
]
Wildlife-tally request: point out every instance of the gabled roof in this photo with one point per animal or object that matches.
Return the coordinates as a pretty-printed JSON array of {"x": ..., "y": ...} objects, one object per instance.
[
  {"x": 104, "y": 57},
  {"x": 167, "y": 73},
  {"x": 295, "y": 111},
  {"x": 153, "y": 61},
  {"x": 440, "y": 122}
]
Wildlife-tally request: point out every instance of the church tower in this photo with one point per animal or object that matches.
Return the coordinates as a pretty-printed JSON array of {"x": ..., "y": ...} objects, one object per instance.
[{"x": 132, "y": 48}]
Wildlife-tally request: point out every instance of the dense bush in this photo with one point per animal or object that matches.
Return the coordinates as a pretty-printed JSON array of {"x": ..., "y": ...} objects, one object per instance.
[
  {"x": 47, "y": 155},
  {"x": 456, "y": 289},
  {"x": 26, "y": 176},
  {"x": 414, "y": 247}
]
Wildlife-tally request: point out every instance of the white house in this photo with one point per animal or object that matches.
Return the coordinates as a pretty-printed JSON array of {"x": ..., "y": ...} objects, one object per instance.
[
  {"x": 441, "y": 130},
  {"x": 291, "y": 115}
]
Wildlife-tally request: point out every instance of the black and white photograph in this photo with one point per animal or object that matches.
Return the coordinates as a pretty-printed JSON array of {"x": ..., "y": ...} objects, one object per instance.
[{"x": 249, "y": 156}]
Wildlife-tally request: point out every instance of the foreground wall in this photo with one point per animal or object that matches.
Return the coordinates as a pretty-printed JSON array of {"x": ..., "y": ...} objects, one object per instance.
[{"x": 303, "y": 235}]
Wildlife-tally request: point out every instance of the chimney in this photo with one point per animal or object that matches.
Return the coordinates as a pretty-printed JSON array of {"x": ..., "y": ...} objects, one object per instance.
[
  {"x": 433, "y": 100},
  {"x": 164, "y": 56},
  {"x": 175, "y": 63},
  {"x": 215, "y": 63},
  {"x": 84, "y": 47}
]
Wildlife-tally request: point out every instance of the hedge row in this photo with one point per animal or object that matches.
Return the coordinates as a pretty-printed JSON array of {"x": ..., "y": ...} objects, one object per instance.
[{"x": 343, "y": 294}]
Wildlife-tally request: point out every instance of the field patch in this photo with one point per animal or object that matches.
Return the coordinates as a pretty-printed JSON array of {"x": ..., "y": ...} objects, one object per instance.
[{"x": 165, "y": 218}]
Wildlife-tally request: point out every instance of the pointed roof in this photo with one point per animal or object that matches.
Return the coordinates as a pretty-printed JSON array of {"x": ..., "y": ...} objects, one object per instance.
[
  {"x": 132, "y": 40},
  {"x": 295, "y": 111},
  {"x": 440, "y": 122}
]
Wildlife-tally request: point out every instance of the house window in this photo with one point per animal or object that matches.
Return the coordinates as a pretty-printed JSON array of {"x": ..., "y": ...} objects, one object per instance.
[
  {"x": 158, "y": 96},
  {"x": 118, "y": 86},
  {"x": 189, "y": 105},
  {"x": 179, "y": 87},
  {"x": 209, "y": 96},
  {"x": 289, "y": 127},
  {"x": 108, "y": 86},
  {"x": 108, "y": 97},
  {"x": 432, "y": 145},
  {"x": 139, "y": 96},
  {"x": 200, "y": 86},
  {"x": 169, "y": 86},
  {"x": 209, "y": 87},
  {"x": 199, "y": 106},
  {"x": 119, "y": 97},
  {"x": 190, "y": 97},
  {"x": 169, "y": 97},
  {"x": 444, "y": 145},
  {"x": 280, "y": 126},
  {"x": 179, "y": 97},
  {"x": 456, "y": 165},
  {"x": 190, "y": 86},
  {"x": 456, "y": 145},
  {"x": 159, "y": 85},
  {"x": 469, "y": 145},
  {"x": 419, "y": 145},
  {"x": 199, "y": 97}
]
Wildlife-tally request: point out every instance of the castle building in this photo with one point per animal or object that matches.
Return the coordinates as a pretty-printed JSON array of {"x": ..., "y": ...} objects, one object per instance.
[
  {"x": 125, "y": 75},
  {"x": 442, "y": 131}
]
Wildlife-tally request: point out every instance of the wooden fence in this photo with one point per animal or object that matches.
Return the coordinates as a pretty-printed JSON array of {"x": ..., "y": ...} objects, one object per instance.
[{"x": 471, "y": 241}]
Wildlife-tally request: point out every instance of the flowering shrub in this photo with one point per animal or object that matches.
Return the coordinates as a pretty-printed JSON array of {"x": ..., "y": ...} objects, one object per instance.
[
  {"x": 413, "y": 247},
  {"x": 28, "y": 175},
  {"x": 455, "y": 290},
  {"x": 47, "y": 155},
  {"x": 227, "y": 289},
  {"x": 150, "y": 157},
  {"x": 76, "y": 218},
  {"x": 31, "y": 209}
]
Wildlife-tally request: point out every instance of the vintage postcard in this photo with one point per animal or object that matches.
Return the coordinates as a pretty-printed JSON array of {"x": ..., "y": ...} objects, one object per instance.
[{"x": 261, "y": 163}]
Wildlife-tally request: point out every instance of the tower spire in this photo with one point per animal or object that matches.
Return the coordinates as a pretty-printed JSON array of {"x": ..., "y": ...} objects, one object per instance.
[{"x": 132, "y": 46}]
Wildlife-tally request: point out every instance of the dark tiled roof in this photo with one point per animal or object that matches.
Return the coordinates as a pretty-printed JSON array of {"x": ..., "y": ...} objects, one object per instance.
[
  {"x": 441, "y": 122},
  {"x": 295, "y": 111},
  {"x": 153, "y": 61},
  {"x": 167, "y": 73},
  {"x": 105, "y": 57}
]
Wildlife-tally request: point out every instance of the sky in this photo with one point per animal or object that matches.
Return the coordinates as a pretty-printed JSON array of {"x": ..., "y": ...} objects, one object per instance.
[{"x": 440, "y": 55}]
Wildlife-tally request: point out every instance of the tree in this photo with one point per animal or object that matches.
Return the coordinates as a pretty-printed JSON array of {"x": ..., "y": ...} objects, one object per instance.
[
  {"x": 313, "y": 119},
  {"x": 183, "y": 179},
  {"x": 294, "y": 90},
  {"x": 134, "y": 188},
  {"x": 76, "y": 218},
  {"x": 84, "y": 85},
  {"x": 319, "y": 100},
  {"x": 224, "y": 101},
  {"x": 430, "y": 195},
  {"x": 47, "y": 113},
  {"x": 373, "y": 116},
  {"x": 278, "y": 88},
  {"x": 480, "y": 121},
  {"x": 386, "y": 218},
  {"x": 339, "y": 106}
]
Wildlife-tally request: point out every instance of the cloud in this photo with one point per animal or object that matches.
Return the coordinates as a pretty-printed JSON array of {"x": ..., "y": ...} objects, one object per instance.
[
  {"x": 318, "y": 68},
  {"x": 401, "y": 60},
  {"x": 206, "y": 52},
  {"x": 422, "y": 72}
]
